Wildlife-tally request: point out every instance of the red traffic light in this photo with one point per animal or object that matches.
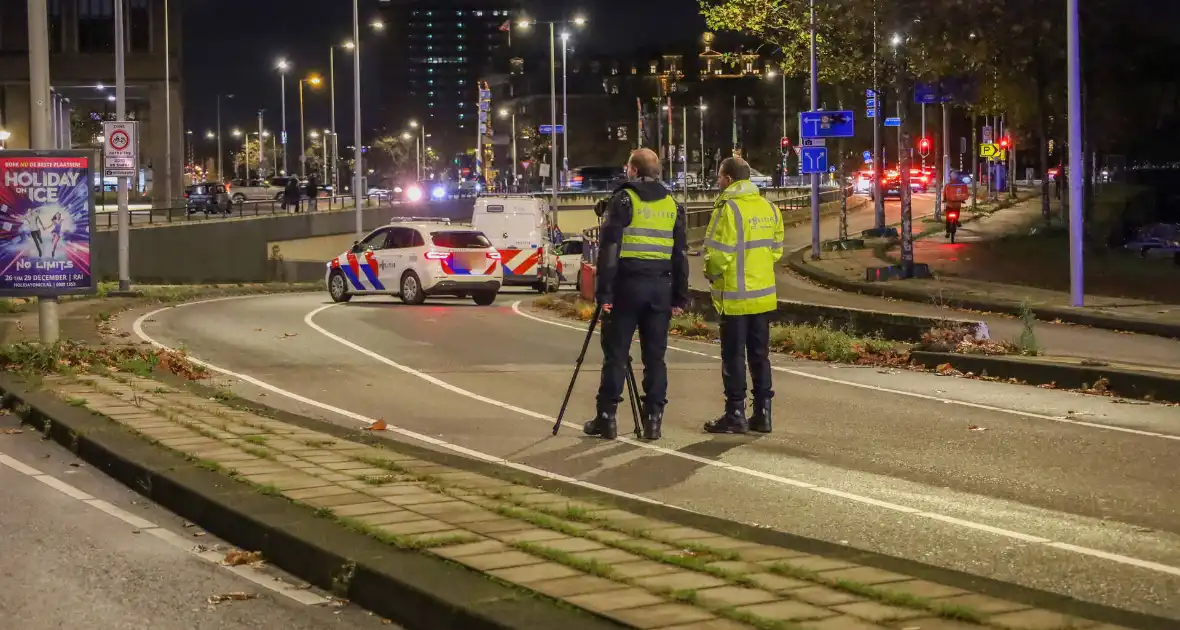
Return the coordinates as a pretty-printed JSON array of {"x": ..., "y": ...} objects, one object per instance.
[
  {"x": 924, "y": 146},
  {"x": 1005, "y": 143},
  {"x": 785, "y": 143}
]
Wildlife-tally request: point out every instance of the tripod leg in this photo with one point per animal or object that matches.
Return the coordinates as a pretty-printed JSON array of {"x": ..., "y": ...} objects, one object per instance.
[
  {"x": 633, "y": 390},
  {"x": 577, "y": 367}
]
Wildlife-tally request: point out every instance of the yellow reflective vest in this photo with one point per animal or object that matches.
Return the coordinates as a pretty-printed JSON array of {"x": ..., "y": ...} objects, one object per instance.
[
  {"x": 742, "y": 245},
  {"x": 649, "y": 236}
]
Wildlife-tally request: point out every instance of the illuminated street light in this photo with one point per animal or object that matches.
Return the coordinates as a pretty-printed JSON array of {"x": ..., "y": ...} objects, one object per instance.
[
  {"x": 377, "y": 25},
  {"x": 895, "y": 40},
  {"x": 210, "y": 135},
  {"x": 236, "y": 133}
]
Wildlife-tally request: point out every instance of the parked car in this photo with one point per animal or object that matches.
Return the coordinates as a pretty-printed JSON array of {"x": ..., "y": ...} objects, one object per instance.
[{"x": 209, "y": 197}]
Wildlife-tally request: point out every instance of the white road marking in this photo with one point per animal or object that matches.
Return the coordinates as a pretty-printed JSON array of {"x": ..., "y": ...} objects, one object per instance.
[
  {"x": 877, "y": 388},
  {"x": 172, "y": 539},
  {"x": 137, "y": 327}
]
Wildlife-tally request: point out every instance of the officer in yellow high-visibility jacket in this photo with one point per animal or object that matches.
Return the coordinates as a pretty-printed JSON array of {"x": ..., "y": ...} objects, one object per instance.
[
  {"x": 743, "y": 242},
  {"x": 642, "y": 279}
]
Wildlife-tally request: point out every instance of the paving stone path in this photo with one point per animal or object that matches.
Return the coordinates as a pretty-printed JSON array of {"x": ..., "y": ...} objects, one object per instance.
[{"x": 639, "y": 571}]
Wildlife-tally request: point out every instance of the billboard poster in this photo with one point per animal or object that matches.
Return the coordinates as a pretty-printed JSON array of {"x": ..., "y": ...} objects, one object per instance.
[{"x": 46, "y": 217}]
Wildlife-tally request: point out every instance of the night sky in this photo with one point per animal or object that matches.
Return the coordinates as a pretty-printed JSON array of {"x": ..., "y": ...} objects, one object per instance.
[{"x": 230, "y": 46}]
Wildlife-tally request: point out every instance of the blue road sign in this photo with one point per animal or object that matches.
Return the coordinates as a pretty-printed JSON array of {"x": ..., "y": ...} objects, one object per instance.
[
  {"x": 871, "y": 112},
  {"x": 548, "y": 129},
  {"x": 868, "y": 156},
  {"x": 927, "y": 94},
  {"x": 813, "y": 160},
  {"x": 826, "y": 124},
  {"x": 831, "y": 169},
  {"x": 869, "y": 93},
  {"x": 892, "y": 122},
  {"x": 870, "y": 102}
]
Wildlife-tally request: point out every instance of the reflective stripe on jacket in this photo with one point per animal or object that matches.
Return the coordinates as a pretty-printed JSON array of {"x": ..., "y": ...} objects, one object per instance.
[
  {"x": 742, "y": 245},
  {"x": 650, "y": 234}
]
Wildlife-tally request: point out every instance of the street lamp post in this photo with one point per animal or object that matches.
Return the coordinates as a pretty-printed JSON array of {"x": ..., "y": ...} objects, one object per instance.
[
  {"x": 703, "y": 108},
  {"x": 1076, "y": 166},
  {"x": 422, "y": 148},
  {"x": 40, "y": 134},
  {"x": 770, "y": 75},
  {"x": 332, "y": 99},
  {"x": 282, "y": 67},
  {"x": 814, "y": 176},
  {"x": 124, "y": 215},
  {"x": 503, "y": 114},
  {"x": 220, "y": 150},
  {"x": 578, "y": 21},
  {"x": 565, "y": 123},
  {"x": 167, "y": 106},
  {"x": 358, "y": 154},
  {"x": 314, "y": 80}
]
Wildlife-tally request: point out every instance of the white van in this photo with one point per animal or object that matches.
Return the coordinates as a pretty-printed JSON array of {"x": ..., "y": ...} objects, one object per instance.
[{"x": 518, "y": 226}]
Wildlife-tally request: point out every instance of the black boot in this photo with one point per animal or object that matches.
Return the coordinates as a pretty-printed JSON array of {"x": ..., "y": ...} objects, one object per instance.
[
  {"x": 734, "y": 420},
  {"x": 603, "y": 425},
  {"x": 653, "y": 421},
  {"x": 760, "y": 421}
]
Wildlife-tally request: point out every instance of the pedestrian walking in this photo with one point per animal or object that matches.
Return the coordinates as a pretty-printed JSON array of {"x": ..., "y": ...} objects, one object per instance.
[
  {"x": 743, "y": 242},
  {"x": 642, "y": 281},
  {"x": 291, "y": 195},
  {"x": 313, "y": 193}
]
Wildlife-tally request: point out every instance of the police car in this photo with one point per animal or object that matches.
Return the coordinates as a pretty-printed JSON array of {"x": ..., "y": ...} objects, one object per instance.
[{"x": 415, "y": 258}]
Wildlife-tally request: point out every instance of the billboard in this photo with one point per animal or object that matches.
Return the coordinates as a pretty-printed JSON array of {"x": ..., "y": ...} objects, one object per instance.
[{"x": 46, "y": 218}]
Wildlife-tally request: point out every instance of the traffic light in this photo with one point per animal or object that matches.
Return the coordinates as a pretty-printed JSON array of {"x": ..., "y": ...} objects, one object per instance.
[
  {"x": 1005, "y": 143},
  {"x": 785, "y": 144},
  {"x": 924, "y": 147}
]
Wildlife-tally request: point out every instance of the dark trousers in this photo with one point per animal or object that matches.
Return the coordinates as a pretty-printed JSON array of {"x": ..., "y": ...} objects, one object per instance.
[
  {"x": 642, "y": 303},
  {"x": 36, "y": 236},
  {"x": 746, "y": 338}
]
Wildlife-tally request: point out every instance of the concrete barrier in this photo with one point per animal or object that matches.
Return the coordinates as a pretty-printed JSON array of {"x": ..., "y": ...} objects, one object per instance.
[
  {"x": 894, "y": 326},
  {"x": 235, "y": 250}
]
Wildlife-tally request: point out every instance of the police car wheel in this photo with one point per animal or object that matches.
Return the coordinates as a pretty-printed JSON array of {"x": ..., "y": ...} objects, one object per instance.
[
  {"x": 239, "y": 199},
  {"x": 412, "y": 292},
  {"x": 484, "y": 298},
  {"x": 338, "y": 288}
]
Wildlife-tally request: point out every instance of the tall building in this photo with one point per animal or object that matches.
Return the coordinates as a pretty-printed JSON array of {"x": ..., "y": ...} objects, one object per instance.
[
  {"x": 440, "y": 50},
  {"x": 82, "y": 77}
]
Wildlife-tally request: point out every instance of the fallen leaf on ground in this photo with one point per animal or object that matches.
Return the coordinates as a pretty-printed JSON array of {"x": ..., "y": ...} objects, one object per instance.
[
  {"x": 336, "y": 602},
  {"x": 287, "y": 335},
  {"x": 237, "y": 558},
  {"x": 10, "y": 431},
  {"x": 975, "y": 428},
  {"x": 379, "y": 425},
  {"x": 231, "y": 597},
  {"x": 1123, "y": 401}
]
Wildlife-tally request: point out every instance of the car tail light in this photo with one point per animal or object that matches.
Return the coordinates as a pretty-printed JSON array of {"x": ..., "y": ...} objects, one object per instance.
[
  {"x": 437, "y": 255},
  {"x": 493, "y": 255},
  {"x": 953, "y": 214}
]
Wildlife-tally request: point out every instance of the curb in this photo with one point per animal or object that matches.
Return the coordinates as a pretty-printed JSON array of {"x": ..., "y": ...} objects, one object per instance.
[
  {"x": 956, "y": 301},
  {"x": 1122, "y": 382},
  {"x": 412, "y": 589}
]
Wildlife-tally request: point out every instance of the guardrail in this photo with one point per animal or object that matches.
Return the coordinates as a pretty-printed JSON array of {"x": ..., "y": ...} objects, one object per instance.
[
  {"x": 698, "y": 218},
  {"x": 163, "y": 216}
]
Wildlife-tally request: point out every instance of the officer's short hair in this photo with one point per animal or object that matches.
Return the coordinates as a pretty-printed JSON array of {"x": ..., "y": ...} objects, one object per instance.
[
  {"x": 645, "y": 162},
  {"x": 735, "y": 168}
]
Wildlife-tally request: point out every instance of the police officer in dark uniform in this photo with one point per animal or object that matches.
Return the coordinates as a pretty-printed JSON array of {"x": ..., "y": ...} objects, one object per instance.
[{"x": 642, "y": 281}]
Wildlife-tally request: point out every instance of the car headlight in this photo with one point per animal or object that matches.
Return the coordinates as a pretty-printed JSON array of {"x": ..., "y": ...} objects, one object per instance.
[
  {"x": 414, "y": 193},
  {"x": 397, "y": 189},
  {"x": 439, "y": 192}
]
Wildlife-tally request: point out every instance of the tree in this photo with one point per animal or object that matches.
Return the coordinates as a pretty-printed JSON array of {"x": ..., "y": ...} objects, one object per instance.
[
  {"x": 255, "y": 157},
  {"x": 395, "y": 155}
]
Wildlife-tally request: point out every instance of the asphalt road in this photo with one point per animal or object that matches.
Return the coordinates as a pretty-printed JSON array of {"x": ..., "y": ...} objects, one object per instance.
[
  {"x": 1063, "y": 340},
  {"x": 70, "y": 563},
  {"x": 1048, "y": 489}
]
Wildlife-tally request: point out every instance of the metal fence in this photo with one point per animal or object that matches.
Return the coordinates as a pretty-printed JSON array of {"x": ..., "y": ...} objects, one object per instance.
[
  {"x": 698, "y": 218},
  {"x": 108, "y": 219}
]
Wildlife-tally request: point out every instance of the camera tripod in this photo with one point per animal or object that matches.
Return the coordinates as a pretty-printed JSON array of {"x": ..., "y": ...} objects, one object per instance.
[{"x": 632, "y": 388}]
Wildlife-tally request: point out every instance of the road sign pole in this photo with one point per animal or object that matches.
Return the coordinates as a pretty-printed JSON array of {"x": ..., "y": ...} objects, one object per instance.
[
  {"x": 814, "y": 176},
  {"x": 1076, "y": 167},
  {"x": 878, "y": 164},
  {"x": 945, "y": 171},
  {"x": 124, "y": 216},
  {"x": 40, "y": 128}
]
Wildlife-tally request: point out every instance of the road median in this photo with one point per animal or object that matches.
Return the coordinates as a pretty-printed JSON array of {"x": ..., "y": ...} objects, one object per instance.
[{"x": 436, "y": 541}]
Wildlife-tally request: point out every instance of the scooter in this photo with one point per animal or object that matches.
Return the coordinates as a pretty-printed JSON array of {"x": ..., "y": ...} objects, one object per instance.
[{"x": 952, "y": 224}]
